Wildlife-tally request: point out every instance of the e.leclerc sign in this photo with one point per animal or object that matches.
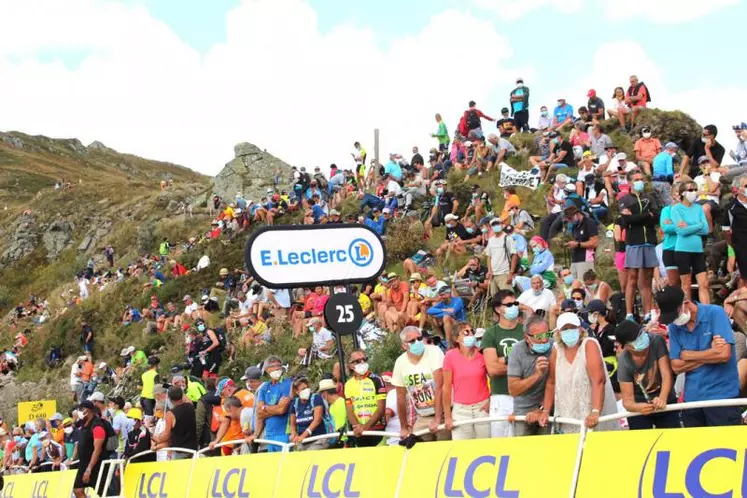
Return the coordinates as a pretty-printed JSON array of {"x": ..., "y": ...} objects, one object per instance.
[{"x": 310, "y": 255}]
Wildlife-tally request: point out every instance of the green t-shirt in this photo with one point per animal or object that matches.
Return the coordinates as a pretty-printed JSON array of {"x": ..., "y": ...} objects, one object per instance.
[
  {"x": 503, "y": 340},
  {"x": 338, "y": 412}
]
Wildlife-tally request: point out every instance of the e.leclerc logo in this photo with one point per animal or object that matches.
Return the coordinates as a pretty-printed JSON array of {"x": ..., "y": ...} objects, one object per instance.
[{"x": 359, "y": 252}]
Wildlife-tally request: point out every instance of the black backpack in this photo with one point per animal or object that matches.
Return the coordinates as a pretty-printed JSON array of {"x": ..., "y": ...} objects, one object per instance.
[
  {"x": 473, "y": 119},
  {"x": 220, "y": 334},
  {"x": 112, "y": 440}
]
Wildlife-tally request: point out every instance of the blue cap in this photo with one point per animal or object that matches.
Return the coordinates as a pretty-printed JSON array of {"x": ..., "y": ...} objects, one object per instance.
[{"x": 671, "y": 145}]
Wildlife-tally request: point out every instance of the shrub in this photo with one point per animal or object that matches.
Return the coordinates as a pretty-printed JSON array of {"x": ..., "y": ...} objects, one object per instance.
[
  {"x": 146, "y": 237},
  {"x": 404, "y": 238}
]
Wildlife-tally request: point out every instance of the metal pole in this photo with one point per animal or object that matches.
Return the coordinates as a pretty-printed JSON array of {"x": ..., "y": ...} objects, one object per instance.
[
  {"x": 376, "y": 145},
  {"x": 341, "y": 358}
]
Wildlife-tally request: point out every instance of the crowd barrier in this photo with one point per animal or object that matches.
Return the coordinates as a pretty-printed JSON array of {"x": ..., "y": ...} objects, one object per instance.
[{"x": 670, "y": 463}]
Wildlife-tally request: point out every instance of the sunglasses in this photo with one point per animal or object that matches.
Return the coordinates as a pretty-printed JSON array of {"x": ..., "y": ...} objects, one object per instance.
[
  {"x": 508, "y": 305},
  {"x": 413, "y": 341},
  {"x": 467, "y": 332},
  {"x": 546, "y": 335},
  {"x": 692, "y": 190},
  {"x": 358, "y": 361}
]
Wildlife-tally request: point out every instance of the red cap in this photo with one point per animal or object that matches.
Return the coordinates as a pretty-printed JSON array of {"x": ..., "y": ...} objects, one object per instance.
[
  {"x": 592, "y": 93},
  {"x": 185, "y": 327}
]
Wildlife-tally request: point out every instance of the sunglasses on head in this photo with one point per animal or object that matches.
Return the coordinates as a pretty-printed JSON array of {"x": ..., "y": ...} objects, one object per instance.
[{"x": 413, "y": 341}]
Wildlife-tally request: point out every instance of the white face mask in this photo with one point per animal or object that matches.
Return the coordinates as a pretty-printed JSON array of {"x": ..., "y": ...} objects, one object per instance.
[
  {"x": 593, "y": 318},
  {"x": 305, "y": 394},
  {"x": 646, "y": 135},
  {"x": 691, "y": 196},
  {"x": 683, "y": 318},
  {"x": 361, "y": 368},
  {"x": 68, "y": 430},
  {"x": 276, "y": 374}
]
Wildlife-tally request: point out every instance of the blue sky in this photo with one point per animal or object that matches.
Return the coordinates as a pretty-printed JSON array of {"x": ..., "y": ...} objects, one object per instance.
[{"x": 184, "y": 80}]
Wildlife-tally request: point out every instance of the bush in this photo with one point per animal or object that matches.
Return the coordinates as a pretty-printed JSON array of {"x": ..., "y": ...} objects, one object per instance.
[
  {"x": 404, "y": 238},
  {"x": 6, "y": 296},
  {"x": 146, "y": 237}
]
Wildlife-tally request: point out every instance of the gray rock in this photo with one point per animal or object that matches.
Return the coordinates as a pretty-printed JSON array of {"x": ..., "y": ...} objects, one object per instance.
[
  {"x": 57, "y": 237},
  {"x": 251, "y": 172},
  {"x": 14, "y": 142},
  {"x": 75, "y": 145},
  {"x": 96, "y": 145},
  {"x": 23, "y": 241}
]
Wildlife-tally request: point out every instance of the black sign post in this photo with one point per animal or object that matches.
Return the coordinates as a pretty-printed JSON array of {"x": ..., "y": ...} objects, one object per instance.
[{"x": 343, "y": 316}]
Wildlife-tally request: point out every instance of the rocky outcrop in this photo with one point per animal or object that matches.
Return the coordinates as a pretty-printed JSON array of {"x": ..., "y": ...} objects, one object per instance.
[
  {"x": 251, "y": 172},
  {"x": 98, "y": 146},
  {"x": 23, "y": 241},
  {"x": 9, "y": 139},
  {"x": 57, "y": 237}
]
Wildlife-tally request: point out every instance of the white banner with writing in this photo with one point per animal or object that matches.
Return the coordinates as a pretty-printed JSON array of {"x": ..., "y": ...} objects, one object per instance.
[{"x": 512, "y": 178}]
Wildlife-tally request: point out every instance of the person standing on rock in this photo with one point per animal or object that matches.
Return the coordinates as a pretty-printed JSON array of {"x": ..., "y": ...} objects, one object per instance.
[
  {"x": 163, "y": 250},
  {"x": 109, "y": 254}
]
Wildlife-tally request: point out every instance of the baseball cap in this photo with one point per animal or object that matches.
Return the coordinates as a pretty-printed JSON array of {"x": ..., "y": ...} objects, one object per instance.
[
  {"x": 610, "y": 146},
  {"x": 591, "y": 93},
  {"x": 252, "y": 373},
  {"x": 468, "y": 144},
  {"x": 568, "y": 319},
  {"x": 627, "y": 332},
  {"x": 97, "y": 396},
  {"x": 670, "y": 300},
  {"x": 68, "y": 421},
  {"x": 520, "y": 80},
  {"x": 645, "y": 129},
  {"x": 621, "y": 156},
  {"x": 671, "y": 145},
  {"x": 596, "y": 306},
  {"x": 444, "y": 289},
  {"x": 479, "y": 333},
  {"x": 703, "y": 159},
  {"x": 327, "y": 385},
  {"x": 485, "y": 220},
  {"x": 505, "y": 109},
  {"x": 82, "y": 357},
  {"x": 205, "y": 298},
  {"x": 587, "y": 153},
  {"x": 386, "y": 210},
  {"x": 223, "y": 384},
  {"x": 739, "y": 127},
  {"x": 56, "y": 416},
  {"x": 224, "y": 271},
  {"x": 416, "y": 276},
  {"x": 391, "y": 275},
  {"x": 387, "y": 377},
  {"x": 567, "y": 304},
  {"x": 450, "y": 217},
  {"x": 186, "y": 297}
]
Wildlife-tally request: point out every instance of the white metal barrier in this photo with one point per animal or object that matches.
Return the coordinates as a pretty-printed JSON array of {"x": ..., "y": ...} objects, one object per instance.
[{"x": 286, "y": 447}]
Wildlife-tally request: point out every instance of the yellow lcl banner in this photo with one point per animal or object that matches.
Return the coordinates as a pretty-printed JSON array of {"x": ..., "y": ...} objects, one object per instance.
[
  {"x": 43, "y": 485},
  {"x": 32, "y": 410}
]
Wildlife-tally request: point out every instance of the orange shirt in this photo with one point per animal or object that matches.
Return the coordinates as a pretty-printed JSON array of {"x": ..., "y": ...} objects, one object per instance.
[
  {"x": 397, "y": 294},
  {"x": 87, "y": 371},
  {"x": 512, "y": 200},
  {"x": 647, "y": 149}
]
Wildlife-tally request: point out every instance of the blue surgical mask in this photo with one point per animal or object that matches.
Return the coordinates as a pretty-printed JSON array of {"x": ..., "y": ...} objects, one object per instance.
[
  {"x": 469, "y": 341},
  {"x": 570, "y": 337},
  {"x": 544, "y": 114},
  {"x": 745, "y": 192},
  {"x": 579, "y": 303},
  {"x": 641, "y": 342},
  {"x": 542, "y": 348},
  {"x": 201, "y": 328},
  {"x": 417, "y": 348},
  {"x": 568, "y": 280},
  {"x": 638, "y": 185},
  {"x": 484, "y": 230},
  {"x": 470, "y": 230},
  {"x": 440, "y": 190},
  {"x": 512, "y": 313},
  {"x": 555, "y": 141},
  {"x": 537, "y": 292},
  {"x": 538, "y": 250}
]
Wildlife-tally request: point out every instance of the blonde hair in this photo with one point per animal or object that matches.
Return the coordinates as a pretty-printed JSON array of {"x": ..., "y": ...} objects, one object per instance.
[{"x": 583, "y": 334}]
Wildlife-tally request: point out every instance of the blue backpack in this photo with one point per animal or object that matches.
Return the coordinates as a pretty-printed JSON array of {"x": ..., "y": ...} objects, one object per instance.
[{"x": 328, "y": 423}]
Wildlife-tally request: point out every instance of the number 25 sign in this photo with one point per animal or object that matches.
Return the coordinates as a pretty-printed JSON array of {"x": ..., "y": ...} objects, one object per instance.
[{"x": 343, "y": 314}]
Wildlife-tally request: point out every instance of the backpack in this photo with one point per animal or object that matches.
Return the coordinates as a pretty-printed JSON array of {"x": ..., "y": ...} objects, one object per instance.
[
  {"x": 473, "y": 119},
  {"x": 112, "y": 440},
  {"x": 220, "y": 334},
  {"x": 321, "y": 181},
  {"x": 329, "y": 424}
]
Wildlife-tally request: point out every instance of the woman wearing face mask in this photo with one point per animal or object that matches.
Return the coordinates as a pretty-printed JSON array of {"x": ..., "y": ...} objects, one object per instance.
[
  {"x": 306, "y": 414},
  {"x": 545, "y": 120},
  {"x": 669, "y": 241},
  {"x": 72, "y": 437},
  {"x": 543, "y": 262},
  {"x": 646, "y": 378},
  {"x": 690, "y": 225},
  {"x": 577, "y": 386},
  {"x": 210, "y": 354},
  {"x": 466, "y": 376}
]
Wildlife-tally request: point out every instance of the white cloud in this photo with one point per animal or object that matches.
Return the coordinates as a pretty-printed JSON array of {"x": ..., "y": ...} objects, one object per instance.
[
  {"x": 656, "y": 11},
  {"x": 276, "y": 81},
  {"x": 513, "y": 9},
  {"x": 665, "y": 11}
]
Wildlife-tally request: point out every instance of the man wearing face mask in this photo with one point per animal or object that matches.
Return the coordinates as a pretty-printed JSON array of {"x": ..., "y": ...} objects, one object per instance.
[
  {"x": 72, "y": 437},
  {"x": 701, "y": 346},
  {"x": 527, "y": 374},
  {"x": 503, "y": 258},
  {"x": 562, "y": 115},
  {"x": 584, "y": 244},
  {"x": 740, "y": 155},
  {"x": 646, "y": 378},
  {"x": 663, "y": 172},
  {"x": 734, "y": 224},
  {"x": 646, "y": 148},
  {"x": 519, "y": 99},
  {"x": 418, "y": 374},
  {"x": 537, "y": 299},
  {"x": 497, "y": 344},
  {"x": 706, "y": 146},
  {"x": 603, "y": 330},
  {"x": 640, "y": 216},
  {"x": 273, "y": 402},
  {"x": 365, "y": 400},
  {"x": 545, "y": 121},
  {"x": 91, "y": 450}
]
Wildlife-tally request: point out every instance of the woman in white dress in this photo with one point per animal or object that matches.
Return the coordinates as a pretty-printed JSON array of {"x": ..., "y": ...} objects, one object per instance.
[{"x": 577, "y": 385}]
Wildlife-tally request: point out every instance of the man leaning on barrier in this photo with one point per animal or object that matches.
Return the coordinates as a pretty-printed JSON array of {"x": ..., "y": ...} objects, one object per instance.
[{"x": 527, "y": 374}]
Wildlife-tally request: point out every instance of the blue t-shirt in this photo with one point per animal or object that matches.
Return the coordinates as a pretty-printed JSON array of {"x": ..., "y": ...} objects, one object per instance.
[
  {"x": 305, "y": 414},
  {"x": 518, "y": 106},
  {"x": 393, "y": 169},
  {"x": 317, "y": 211},
  {"x": 663, "y": 166},
  {"x": 689, "y": 238},
  {"x": 563, "y": 113},
  {"x": 270, "y": 395},
  {"x": 713, "y": 381},
  {"x": 34, "y": 441}
]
